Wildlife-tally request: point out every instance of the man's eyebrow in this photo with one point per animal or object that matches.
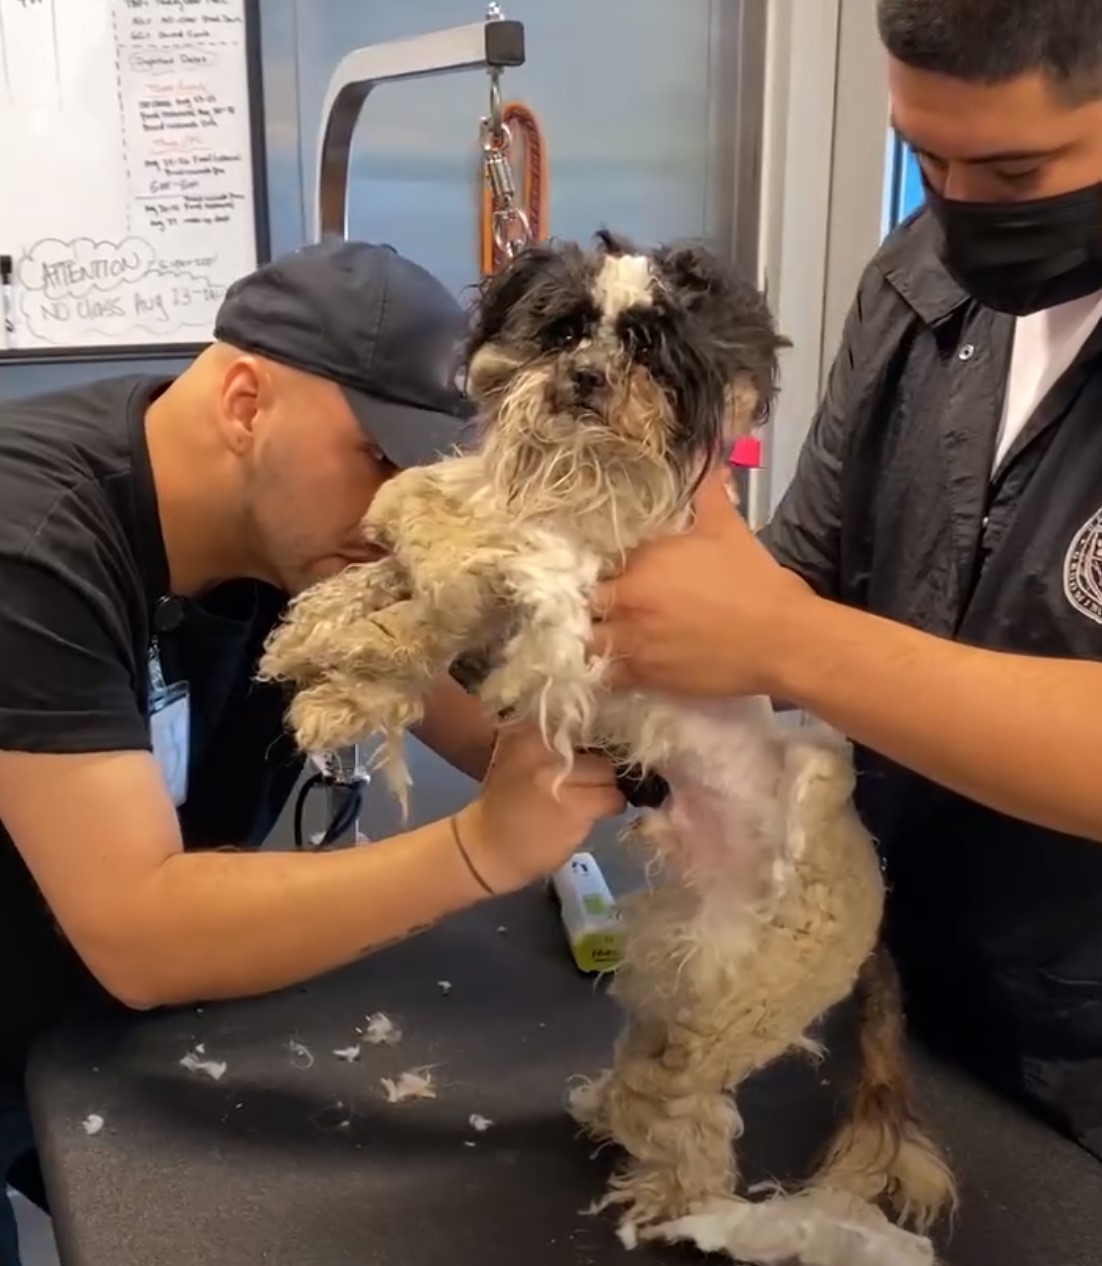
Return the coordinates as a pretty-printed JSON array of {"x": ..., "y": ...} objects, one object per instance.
[{"x": 981, "y": 160}]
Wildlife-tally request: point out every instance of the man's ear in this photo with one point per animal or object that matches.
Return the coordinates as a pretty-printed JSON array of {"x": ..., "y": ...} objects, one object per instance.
[{"x": 244, "y": 388}]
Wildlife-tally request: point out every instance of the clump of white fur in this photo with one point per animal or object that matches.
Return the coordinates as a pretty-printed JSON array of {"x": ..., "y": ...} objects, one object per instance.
[
  {"x": 417, "y": 1083},
  {"x": 815, "y": 1228},
  {"x": 194, "y": 1062},
  {"x": 380, "y": 1030}
]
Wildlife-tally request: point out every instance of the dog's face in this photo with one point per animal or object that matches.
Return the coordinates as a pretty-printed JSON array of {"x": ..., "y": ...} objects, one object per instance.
[{"x": 618, "y": 364}]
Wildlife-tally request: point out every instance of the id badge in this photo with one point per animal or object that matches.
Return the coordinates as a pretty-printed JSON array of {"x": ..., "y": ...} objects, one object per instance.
[{"x": 170, "y": 731}]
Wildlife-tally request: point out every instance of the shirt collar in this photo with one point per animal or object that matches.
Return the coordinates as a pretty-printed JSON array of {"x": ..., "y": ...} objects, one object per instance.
[{"x": 910, "y": 264}]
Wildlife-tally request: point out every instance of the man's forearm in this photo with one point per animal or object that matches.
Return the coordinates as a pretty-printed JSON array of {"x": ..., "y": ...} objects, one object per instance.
[
  {"x": 222, "y": 925},
  {"x": 457, "y": 728},
  {"x": 1021, "y": 735}
]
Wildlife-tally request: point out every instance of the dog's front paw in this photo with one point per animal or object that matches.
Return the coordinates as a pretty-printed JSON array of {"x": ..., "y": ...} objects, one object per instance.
[
  {"x": 345, "y": 710},
  {"x": 323, "y": 624}
]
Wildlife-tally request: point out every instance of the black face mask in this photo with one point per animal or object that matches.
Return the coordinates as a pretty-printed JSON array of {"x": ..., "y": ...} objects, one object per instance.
[{"x": 1022, "y": 257}]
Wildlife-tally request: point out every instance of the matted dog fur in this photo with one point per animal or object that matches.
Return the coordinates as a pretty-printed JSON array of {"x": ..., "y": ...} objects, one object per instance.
[{"x": 609, "y": 382}]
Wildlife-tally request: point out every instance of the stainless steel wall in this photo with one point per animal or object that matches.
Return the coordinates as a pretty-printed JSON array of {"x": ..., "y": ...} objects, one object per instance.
[{"x": 626, "y": 91}]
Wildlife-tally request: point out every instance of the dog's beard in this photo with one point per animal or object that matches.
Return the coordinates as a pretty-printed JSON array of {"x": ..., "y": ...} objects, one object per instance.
[{"x": 608, "y": 468}]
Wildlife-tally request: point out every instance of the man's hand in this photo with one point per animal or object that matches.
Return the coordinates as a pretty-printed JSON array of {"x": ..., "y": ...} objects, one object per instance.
[
  {"x": 711, "y": 613},
  {"x": 699, "y": 613},
  {"x": 530, "y": 817}
]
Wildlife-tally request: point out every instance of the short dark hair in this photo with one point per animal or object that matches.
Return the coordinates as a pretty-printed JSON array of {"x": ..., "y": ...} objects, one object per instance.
[{"x": 994, "y": 41}]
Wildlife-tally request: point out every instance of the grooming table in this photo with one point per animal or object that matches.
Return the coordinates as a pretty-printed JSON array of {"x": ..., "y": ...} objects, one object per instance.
[{"x": 282, "y": 1163}]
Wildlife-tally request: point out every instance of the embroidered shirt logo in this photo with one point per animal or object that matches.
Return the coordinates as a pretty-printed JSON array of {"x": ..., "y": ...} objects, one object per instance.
[{"x": 1083, "y": 569}]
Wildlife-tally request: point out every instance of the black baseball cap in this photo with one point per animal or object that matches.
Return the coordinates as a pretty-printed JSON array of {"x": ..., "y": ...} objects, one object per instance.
[{"x": 381, "y": 327}]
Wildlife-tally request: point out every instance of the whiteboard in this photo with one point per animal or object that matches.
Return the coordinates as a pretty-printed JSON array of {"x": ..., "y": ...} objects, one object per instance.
[{"x": 127, "y": 198}]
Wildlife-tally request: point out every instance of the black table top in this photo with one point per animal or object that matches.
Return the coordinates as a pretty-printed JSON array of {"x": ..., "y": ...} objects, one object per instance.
[{"x": 282, "y": 1164}]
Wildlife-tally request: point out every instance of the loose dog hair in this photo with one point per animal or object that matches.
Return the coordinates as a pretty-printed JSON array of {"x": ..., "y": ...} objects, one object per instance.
[{"x": 609, "y": 382}]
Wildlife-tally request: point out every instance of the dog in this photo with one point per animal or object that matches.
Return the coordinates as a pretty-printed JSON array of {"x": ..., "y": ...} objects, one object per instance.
[{"x": 609, "y": 382}]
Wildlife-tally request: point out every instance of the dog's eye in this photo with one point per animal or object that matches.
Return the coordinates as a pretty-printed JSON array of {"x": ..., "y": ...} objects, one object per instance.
[
  {"x": 639, "y": 334},
  {"x": 564, "y": 334},
  {"x": 566, "y": 331}
]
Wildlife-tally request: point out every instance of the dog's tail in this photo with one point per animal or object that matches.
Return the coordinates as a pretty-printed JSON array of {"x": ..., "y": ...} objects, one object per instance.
[{"x": 883, "y": 1149}]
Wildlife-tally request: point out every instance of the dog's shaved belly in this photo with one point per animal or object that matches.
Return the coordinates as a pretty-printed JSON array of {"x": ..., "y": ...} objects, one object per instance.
[{"x": 725, "y": 777}]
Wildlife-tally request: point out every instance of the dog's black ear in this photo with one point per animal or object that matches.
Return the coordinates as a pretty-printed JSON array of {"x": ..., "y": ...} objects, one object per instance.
[
  {"x": 735, "y": 310},
  {"x": 499, "y": 293},
  {"x": 694, "y": 272},
  {"x": 610, "y": 243},
  {"x": 733, "y": 327}
]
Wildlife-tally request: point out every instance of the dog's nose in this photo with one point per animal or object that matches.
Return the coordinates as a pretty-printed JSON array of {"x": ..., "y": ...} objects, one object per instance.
[{"x": 587, "y": 382}]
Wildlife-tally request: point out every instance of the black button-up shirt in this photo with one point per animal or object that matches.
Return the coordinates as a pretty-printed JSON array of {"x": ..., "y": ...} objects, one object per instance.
[{"x": 895, "y": 510}]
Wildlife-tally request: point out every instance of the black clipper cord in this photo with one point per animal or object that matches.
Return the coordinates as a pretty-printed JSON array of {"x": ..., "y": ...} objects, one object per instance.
[{"x": 642, "y": 790}]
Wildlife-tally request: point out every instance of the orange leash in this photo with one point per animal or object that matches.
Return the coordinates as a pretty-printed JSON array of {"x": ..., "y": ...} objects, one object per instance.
[{"x": 532, "y": 189}]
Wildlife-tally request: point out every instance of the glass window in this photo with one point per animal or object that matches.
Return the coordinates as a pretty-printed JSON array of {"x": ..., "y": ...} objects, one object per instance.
[{"x": 904, "y": 193}]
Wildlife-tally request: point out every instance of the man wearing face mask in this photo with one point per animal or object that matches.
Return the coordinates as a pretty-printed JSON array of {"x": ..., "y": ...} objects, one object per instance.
[{"x": 938, "y": 596}]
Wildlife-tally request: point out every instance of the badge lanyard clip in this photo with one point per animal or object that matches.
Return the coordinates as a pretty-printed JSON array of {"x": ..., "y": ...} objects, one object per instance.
[{"x": 169, "y": 726}]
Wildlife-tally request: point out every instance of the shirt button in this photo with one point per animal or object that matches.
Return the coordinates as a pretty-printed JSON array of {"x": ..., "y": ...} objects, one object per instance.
[{"x": 967, "y": 351}]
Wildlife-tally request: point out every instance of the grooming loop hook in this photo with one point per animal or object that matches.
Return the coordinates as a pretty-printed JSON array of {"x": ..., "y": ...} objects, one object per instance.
[
  {"x": 511, "y": 230},
  {"x": 496, "y": 120}
]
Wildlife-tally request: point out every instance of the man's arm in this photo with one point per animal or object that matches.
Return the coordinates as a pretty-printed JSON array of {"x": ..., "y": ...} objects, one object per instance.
[
  {"x": 83, "y": 800},
  {"x": 1021, "y": 735},
  {"x": 457, "y": 728},
  {"x": 158, "y": 926}
]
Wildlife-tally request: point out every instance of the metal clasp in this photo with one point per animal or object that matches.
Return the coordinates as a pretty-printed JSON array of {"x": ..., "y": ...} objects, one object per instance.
[{"x": 511, "y": 230}]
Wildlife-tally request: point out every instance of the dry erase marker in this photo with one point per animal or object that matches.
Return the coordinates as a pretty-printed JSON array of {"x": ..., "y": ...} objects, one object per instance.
[{"x": 7, "y": 299}]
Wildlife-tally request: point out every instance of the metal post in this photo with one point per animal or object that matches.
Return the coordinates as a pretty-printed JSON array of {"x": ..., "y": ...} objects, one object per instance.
[
  {"x": 494, "y": 44},
  {"x": 738, "y": 138},
  {"x": 490, "y": 45}
]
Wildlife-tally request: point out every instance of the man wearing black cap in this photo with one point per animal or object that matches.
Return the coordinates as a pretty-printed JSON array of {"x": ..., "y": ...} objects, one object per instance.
[{"x": 151, "y": 532}]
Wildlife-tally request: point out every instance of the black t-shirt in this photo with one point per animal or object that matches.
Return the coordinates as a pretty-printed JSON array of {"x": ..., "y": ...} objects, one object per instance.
[{"x": 84, "y": 579}]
